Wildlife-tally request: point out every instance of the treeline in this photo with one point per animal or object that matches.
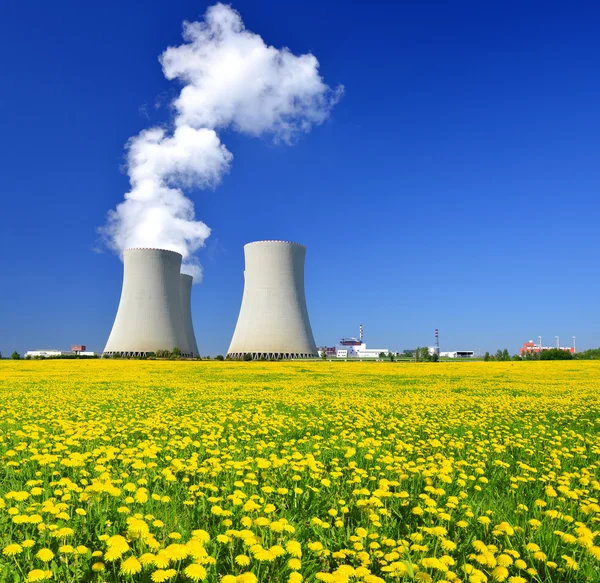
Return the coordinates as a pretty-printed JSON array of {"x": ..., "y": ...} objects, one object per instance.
[
  {"x": 550, "y": 354},
  {"x": 591, "y": 354}
]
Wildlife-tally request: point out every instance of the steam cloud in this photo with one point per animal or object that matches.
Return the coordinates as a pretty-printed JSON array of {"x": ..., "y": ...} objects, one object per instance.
[{"x": 231, "y": 79}]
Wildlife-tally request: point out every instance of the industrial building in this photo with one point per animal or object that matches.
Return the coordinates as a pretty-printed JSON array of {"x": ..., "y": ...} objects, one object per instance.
[
  {"x": 532, "y": 348},
  {"x": 77, "y": 350},
  {"x": 273, "y": 322},
  {"x": 356, "y": 348},
  {"x": 458, "y": 354},
  {"x": 155, "y": 308},
  {"x": 353, "y": 348}
]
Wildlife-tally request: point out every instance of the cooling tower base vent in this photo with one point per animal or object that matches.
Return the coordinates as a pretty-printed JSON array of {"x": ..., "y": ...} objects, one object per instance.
[
  {"x": 272, "y": 355},
  {"x": 140, "y": 354}
]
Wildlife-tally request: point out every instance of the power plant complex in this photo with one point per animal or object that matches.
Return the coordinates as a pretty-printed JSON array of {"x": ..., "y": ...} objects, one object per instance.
[
  {"x": 155, "y": 312},
  {"x": 273, "y": 321},
  {"x": 155, "y": 308}
]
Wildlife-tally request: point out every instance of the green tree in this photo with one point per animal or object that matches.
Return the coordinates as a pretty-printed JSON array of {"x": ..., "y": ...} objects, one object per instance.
[
  {"x": 176, "y": 352},
  {"x": 422, "y": 354},
  {"x": 505, "y": 355},
  {"x": 556, "y": 354},
  {"x": 324, "y": 354},
  {"x": 591, "y": 354},
  {"x": 15, "y": 355},
  {"x": 486, "y": 357},
  {"x": 247, "y": 356},
  {"x": 499, "y": 354},
  {"x": 219, "y": 357},
  {"x": 434, "y": 357}
]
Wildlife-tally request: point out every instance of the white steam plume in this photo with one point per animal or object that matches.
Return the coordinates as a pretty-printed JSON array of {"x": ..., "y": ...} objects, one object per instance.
[{"x": 231, "y": 79}]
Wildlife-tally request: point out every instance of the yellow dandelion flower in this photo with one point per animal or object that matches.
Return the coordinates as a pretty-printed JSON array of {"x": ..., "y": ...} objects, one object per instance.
[
  {"x": 130, "y": 566},
  {"x": 45, "y": 555},
  {"x": 294, "y": 548},
  {"x": 12, "y": 550},
  {"x": 294, "y": 564},
  {"x": 570, "y": 562},
  {"x": 147, "y": 559},
  {"x": 195, "y": 572}
]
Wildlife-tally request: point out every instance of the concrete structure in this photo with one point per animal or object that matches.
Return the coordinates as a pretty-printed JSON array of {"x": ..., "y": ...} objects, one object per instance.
[
  {"x": 273, "y": 321},
  {"x": 150, "y": 315},
  {"x": 458, "y": 354},
  {"x": 330, "y": 351},
  {"x": 55, "y": 352},
  {"x": 532, "y": 348},
  {"x": 186, "y": 312},
  {"x": 356, "y": 348},
  {"x": 47, "y": 353}
]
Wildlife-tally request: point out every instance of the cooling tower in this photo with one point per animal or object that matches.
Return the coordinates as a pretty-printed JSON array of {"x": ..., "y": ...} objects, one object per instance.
[
  {"x": 273, "y": 321},
  {"x": 186, "y": 312},
  {"x": 150, "y": 315}
]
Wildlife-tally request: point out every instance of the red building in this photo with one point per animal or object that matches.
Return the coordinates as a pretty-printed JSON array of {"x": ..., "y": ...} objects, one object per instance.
[{"x": 532, "y": 348}]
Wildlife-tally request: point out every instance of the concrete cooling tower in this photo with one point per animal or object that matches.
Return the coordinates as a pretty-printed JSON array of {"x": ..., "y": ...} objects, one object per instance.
[
  {"x": 273, "y": 321},
  {"x": 186, "y": 312},
  {"x": 155, "y": 311}
]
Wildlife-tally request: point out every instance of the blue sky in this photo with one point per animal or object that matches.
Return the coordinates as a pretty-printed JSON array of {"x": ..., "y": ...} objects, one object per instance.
[{"x": 455, "y": 184}]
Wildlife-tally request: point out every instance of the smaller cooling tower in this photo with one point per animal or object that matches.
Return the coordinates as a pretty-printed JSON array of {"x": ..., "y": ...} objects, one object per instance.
[
  {"x": 150, "y": 314},
  {"x": 186, "y": 312},
  {"x": 273, "y": 321}
]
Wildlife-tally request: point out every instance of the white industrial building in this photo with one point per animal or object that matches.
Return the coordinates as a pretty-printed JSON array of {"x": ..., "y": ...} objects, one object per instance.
[
  {"x": 47, "y": 353},
  {"x": 458, "y": 354},
  {"x": 54, "y": 352},
  {"x": 273, "y": 322},
  {"x": 155, "y": 307},
  {"x": 356, "y": 348}
]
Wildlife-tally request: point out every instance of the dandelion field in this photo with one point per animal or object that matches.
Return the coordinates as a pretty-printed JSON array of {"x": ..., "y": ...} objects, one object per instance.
[{"x": 231, "y": 472}]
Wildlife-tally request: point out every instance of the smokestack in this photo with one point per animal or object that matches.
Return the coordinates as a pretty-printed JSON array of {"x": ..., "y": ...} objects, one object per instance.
[
  {"x": 149, "y": 317},
  {"x": 186, "y": 312},
  {"x": 273, "y": 321}
]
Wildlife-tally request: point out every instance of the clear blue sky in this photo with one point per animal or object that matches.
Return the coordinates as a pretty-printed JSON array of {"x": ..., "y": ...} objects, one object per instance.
[{"x": 455, "y": 185}]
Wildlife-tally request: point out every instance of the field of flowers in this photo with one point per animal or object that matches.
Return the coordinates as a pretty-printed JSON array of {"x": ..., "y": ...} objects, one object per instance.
[{"x": 287, "y": 472}]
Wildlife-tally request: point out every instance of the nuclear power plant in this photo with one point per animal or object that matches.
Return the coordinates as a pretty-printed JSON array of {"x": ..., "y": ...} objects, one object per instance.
[
  {"x": 273, "y": 321},
  {"x": 155, "y": 308}
]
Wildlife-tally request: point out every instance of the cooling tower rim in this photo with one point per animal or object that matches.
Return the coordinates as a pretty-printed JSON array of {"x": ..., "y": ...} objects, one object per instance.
[
  {"x": 187, "y": 275},
  {"x": 275, "y": 241},
  {"x": 152, "y": 249}
]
